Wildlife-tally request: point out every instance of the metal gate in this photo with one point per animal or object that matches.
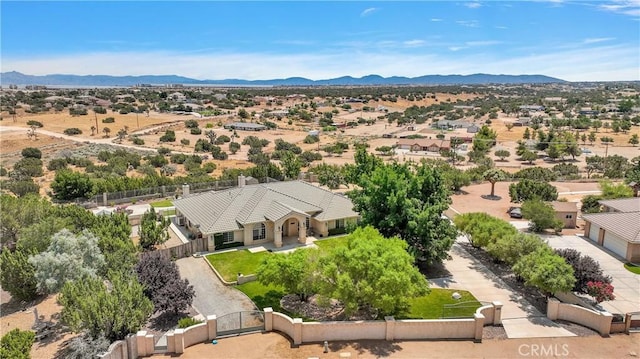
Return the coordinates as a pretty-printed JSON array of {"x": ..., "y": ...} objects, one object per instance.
[{"x": 240, "y": 322}]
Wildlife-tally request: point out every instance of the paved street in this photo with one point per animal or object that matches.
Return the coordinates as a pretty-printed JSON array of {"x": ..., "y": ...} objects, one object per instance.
[
  {"x": 519, "y": 318},
  {"x": 212, "y": 297},
  {"x": 626, "y": 284}
]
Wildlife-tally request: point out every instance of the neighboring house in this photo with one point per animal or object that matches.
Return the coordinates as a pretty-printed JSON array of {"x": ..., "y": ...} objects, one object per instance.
[
  {"x": 473, "y": 129},
  {"x": 617, "y": 228},
  {"x": 522, "y": 122},
  {"x": 567, "y": 212},
  {"x": 268, "y": 212},
  {"x": 245, "y": 126},
  {"x": 423, "y": 144}
]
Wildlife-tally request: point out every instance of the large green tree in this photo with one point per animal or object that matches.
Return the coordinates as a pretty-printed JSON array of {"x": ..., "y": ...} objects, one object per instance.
[
  {"x": 541, "y": 216},
  {"x": 69, "y": 257},
  {"x": 297, "y": 272},
  {"x": 407, "y": 200},
  {"x": 494, "y": 175},
  {"x": 17, "y": 275},
  {"x": 153, "y": 230},
  {"x": 372, "y": 273},
  {"x": 69, "y": 185},
  {"x": 111, "y": 309},
  {"x": 527, "y": 189},
  {"x": 291, "y": 165}
]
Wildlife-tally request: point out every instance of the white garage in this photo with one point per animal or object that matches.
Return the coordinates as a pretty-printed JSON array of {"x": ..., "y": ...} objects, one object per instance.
[
  {"x": 615, "y": 244},
  {"x": 594, "y": 230}
]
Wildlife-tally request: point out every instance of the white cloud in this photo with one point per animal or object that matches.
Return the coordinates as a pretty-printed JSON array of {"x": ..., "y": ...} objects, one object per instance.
[
  {"x": 597, "y": 39},
  {"x": 468, "y": 23},
  {"x": 473, "y": 5},
  {"x": 413, "y": 43},
  {"x": 597, "y": 63},
  {"x": 625, "y": 7},
  {"x": 435, "y": 19},
  {"x": 369, "y": 11},
  {"x": 501, "y": 27}
]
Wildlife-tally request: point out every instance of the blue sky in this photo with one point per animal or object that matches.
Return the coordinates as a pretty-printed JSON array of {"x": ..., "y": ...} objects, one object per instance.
[{"x": 575, "y": 41}]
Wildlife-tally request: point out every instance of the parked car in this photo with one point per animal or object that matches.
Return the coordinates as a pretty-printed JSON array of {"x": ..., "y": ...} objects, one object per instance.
[{"x": 515, "y": 212}]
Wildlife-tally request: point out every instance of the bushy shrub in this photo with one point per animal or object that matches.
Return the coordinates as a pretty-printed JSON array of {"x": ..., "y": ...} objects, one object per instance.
[
  {"x": 138, "y": 141},
  {"x": 169, "y": 136},
  {"x": 600, "y": 291},
  {"x": 585, "y": 268},
  {"x": 31, "y": 152},
  {"x": 56, "y": 164},
  {"x": 187, "y": 322},
  {"x": 195, "y": 131},
  {"x": 311, "y": 139},
  {"x": 16, "y": 344},
  {"x": 72, "y": 131},
  {"x": 34, "y": 123},
  {"x": 191, "y": 124},
  {"x": 108, "y": 120},
  {"x": 536, "y": 174},
  {"x": 99, "y": 109}
]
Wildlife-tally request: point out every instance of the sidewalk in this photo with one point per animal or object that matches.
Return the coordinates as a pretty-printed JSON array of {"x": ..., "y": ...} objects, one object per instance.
[{"x": 520, "y": 319}]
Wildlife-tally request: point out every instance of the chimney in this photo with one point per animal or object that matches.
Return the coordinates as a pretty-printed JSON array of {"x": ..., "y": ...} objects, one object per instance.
[
  {"x": 185, "y": 190},
  {"x": 242, "y": 181}
]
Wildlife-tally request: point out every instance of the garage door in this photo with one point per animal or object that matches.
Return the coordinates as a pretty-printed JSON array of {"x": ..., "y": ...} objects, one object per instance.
[
  {"x": 593, "y": 232},
  {"x": 615, "y": 244}
]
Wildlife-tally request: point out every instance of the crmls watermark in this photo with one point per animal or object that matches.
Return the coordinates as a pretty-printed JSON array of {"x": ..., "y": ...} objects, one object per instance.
[{"x": 543, "y": 350}]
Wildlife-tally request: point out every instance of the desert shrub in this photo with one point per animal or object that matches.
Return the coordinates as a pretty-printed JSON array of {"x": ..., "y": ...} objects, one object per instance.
[
  {"x": 164, "y": 151},
  {"x": 81, "y": 111},
  {"x": 311, "y": 139},
  {"x": 108, "y": 120},
  {"x": 34, "y": 123},
  {"x": 72, "y": 131},
  {"x": 222, "y": 139},
  {"x": 253, "y": 141},
  {"x": 31, "y": 152},
  {"x": 84, "y": 346},
  {"x": 234, "y": 147},
  {"x": 536, "y": 174},
  {"x": 56, "y": 164},
  {"x": 202, "y": 145},
  {"x": 218, "y": 153},
  {"x": 185, "y": 142},
  {"x": 157, "y": 161},
  {"x": 29, "y": 166},
  {"x": 209, "y": 167},
  {"x": 195, "y": 131},
  {"x": 191, "y": 124},
  {"x": 138, "y": 141},
  {"x": 169, "y": 136},
  {"x": 99, "y": 109},
  {"x": 178, "y": 158}
]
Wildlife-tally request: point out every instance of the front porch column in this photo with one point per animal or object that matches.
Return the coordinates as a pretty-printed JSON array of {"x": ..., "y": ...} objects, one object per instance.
[
  {"x": 248, "y": 234},
  {"x": 277, "y": 234},
  {"x": 302, "y": 232}
]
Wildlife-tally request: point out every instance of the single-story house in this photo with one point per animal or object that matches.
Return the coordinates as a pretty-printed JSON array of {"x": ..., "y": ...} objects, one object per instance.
[
  {"x": 267, "y": 212},
  {"x": 522, "y": 121},
  {"x": 567, "y": 212},
  {"x": 423, "y": 144},
  {"x": 245, "y": 126},
  {"x": 473, "y": 129},
  {"x": 617, "y": 228}
]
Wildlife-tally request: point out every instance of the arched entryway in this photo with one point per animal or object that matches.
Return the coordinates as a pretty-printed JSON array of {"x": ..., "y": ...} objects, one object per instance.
[{"x": 291, "y": 228}]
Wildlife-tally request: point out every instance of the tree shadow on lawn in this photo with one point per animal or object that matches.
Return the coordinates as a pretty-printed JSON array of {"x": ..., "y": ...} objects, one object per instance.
[
  {"x": 162, "y": 322},
  {"x": 269, "y": 299}
]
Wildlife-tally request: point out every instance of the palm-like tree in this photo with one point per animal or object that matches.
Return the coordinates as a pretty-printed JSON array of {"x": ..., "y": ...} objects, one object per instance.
[{"x": 494, "y": 175}]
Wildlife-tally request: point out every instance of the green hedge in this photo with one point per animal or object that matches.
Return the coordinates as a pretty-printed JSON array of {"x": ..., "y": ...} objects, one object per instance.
[{"x": 336, "y": 231}]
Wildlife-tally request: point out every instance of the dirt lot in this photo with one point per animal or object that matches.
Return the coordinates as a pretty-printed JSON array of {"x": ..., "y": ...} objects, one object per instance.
[
  {"x": 471, "y": 200},
  {"x": 273, "y": 345}
]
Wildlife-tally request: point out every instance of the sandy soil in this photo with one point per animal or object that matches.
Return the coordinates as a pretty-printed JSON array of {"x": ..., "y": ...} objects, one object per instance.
[{"x": 273, "y": 345}]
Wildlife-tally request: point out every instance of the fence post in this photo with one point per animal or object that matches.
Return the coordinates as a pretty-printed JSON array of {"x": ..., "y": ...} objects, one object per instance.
[
  {"x": 497, "y": 312},
  {"x": 178, "y": 336},
  {"x": 553, "y": 305},
  {"x": 479, "y": 322},
  {"x": 104, "y": 199},
  {"x": 212, "y": 323},
  {"x": 140, "y": 343},
  {"x": 268, "y": 319},
  {"x": 605, "y": 323},
  {"x": 297, "y": 331},
  {"x": 391, "y": 328}
]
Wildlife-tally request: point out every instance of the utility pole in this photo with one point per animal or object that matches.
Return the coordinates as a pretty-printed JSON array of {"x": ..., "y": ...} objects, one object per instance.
[{"x": 96, "y": 115}]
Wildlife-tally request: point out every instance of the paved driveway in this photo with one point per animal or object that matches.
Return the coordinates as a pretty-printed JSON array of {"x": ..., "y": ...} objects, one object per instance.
[
  {"x": 626, "y": 284},
  {"x": 212, "y": 297},
  {"x": 520, "y": 318}
]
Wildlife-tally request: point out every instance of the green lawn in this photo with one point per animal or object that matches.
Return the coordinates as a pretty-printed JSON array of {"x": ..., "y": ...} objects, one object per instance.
[
  {"x": 430, "y": 306},
  {"x": 263, "y": 296},
  {"x": 160, "y": 204},
  {"x": 326, "y": 244},
  {"x": 632, "y": 268},
  {"x": 229, "y": 264}
]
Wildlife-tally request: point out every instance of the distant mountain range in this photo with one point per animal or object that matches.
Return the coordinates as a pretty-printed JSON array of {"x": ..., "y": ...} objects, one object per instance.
[{"x": 17, "y": 78}]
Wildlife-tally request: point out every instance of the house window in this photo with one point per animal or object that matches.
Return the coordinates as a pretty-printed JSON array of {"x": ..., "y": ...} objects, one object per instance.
[
  {"x": 260, "y": 232},
  {"x": 339, "y": 223},
  {"x": 568, "y": 216},
  {"x": 227, "y": 237}
]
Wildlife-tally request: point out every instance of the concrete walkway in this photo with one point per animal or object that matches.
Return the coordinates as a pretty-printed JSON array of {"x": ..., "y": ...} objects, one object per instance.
[
  {"x": 626, "y": 284},
  {"x": 519, "y": 318}
]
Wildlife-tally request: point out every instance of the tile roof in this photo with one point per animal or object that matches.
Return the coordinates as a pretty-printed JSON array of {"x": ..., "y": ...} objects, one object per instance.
[
  {"x": 623, "y": 204},
  {"x": 625, "y": 225},
  {"x": 564, "y": 206},
  {"x": 231, "y": 209}
]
